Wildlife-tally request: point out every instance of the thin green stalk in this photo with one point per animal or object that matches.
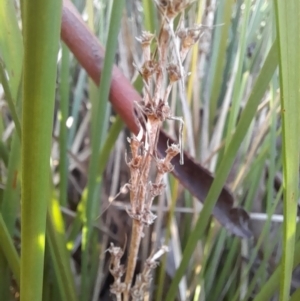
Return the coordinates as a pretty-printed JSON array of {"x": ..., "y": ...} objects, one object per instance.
[
  {"x": 258, "y": 277},
  {"x": 296, "y": 295},
  {"x": 226, "y": 270},
  {"x": 9, "y": 250},
  {"x": 89, "y": 213},
  {"x": 5, "y": 277},
  {"x": 163, "y": 263},
  {"x": 272, "y": 285},
  {"x": 103, "y": 158},
  {"x": 10, "y": 101},
  {"x": 111, "y": 138},
  {"x": 78, "y": 97},
  {"x": 11, "y": 58},
  {"x": 11, "y": 45},
  {"x": 208, "y": 249},
  {"x": 149, "y": 15},
  {"x": 240, "y": 56},
  {"x": 3, "y": 152},
  {"x": 247, "y": 115},
  {"x": 210, "y": 273},
  {"x": 58, "y": 251},
  {"x": 11, "y": 197},
  {"x": 48, "y": 285},
  {"x": 262, "y": 238},
  {"x": 63, "y": 130},
  {"x": 41, "y": 30},
  {"x": 288, "y": 24},
  {"x": 219, "y": 55},
  {"x": 272, "y": 143}
]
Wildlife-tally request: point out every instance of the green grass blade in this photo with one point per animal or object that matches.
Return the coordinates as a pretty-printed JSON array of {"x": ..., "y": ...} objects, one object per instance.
[
  {"x": 272, "y": 285},
  {"x": 59, "y": 254},
  {"x": 10, "y": 100},
  {"x": 9, "y": 250},
  {"x": 104, "y": 154},
  {"x": 149, "y": 14},
  {"x": 262, "y": 238},
  {"x": 4, "y": 153},
  {"x": 78, "y": 96},
  {"x": 238, "y": 77},
  {"x": 210, "y": 273},
  {"x": 227, "y": 270},
  {"x": 11, "y": 45},
  {"x": 63, "y": 130},
  {"x": 41, "y": 29},
  {"x": 11, "y": 197},
  {"x": 247, "y": 115},
  {"x": 296, "y": 295},
  {"x": 288, "y": 24},
  {"x": 111, "y": 138},
  {"x": 89, "y": 215},
  {"x": 11, "y": 57},
  {"x": 219, "y": 56}
]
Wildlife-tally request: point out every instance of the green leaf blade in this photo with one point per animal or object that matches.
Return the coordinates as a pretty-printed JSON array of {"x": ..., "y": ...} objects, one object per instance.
[{"x": 287, "y": 21}]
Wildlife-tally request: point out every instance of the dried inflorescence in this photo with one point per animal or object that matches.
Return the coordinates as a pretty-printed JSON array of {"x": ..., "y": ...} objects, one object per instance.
[
  {"x": 171, "y": 8},
  {"x": 143, "y": 280},
  {"x": 159, "y": 70},
  {"x": 188, "y": 37},
  {"x": 117, "y": 270}
]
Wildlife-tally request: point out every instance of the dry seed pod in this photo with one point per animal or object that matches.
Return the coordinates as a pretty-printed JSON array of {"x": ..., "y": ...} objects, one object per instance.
[
  {"x": 173, "y": 72},
  {"x": 116, "y": 269},
  {"x": 144, "y": 279},
  {"x": 172, "y": 151},
  {"x": 163, "y": 42},
  {"x": 171, "y": 8},
  {"x": 146, "y": 39},
  {"x": 163, "y": 111},
  {"x": 148, "y": 69},
  {"x": 188, "y": 37}
]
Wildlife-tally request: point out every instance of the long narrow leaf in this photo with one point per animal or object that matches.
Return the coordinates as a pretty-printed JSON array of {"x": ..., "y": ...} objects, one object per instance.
[
  {"x": 59, "y": 253},
  {"x": 63, "y": 115},
  {"x": 288, "y": 24},
  {"x": 41, "y": 25},
  {"x": 11, "y": 45},
  {"x": 260, "y": 87},
  {"x": 104, "y": 88},
  {"x": 9, "y": 250}
]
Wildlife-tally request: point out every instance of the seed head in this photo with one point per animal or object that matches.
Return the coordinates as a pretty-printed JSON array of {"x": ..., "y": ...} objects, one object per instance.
[{"x": 171, "y": 8}]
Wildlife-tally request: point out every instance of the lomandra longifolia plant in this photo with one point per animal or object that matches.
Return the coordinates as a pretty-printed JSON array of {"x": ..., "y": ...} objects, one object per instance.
[{"x": 159, "y": 70}]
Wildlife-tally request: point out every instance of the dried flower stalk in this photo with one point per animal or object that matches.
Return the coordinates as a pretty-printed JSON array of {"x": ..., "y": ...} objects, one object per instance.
[
  {"x": 117, "y": 270},
  {"x": 156, "y": 71},
  {"x": 143, "y": 280}
]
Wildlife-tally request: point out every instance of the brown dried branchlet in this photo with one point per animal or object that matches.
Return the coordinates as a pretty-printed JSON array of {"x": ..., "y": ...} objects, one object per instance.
[
  {"x": 145, "y": 40},
  {"x": 117, "y": 270},
  {"x": 171, "y": 8},
  {"x": 143, "y": 280},
  {"x": 159, "y": 73},
  {"x": 188, "y": 37}
]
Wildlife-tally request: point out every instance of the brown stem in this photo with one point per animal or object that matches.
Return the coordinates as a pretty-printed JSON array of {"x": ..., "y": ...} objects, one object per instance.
[
  {"x": 136, "y": 236},
  {"x": 139, "y": 215}
]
